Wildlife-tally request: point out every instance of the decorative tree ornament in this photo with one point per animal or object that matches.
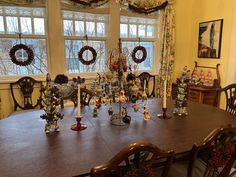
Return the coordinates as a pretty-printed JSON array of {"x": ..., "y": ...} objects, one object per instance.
[
  {"x": 51, "y": 100},
  {"x": 114, "y": 60},
  {"x": 182, "y": 91},
  {"x": 94, "y": 54},
  {"x": 136, "y": 49}
]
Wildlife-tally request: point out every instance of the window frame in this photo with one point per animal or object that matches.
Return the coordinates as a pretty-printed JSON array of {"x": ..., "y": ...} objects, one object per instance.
[
  {"x": 10, "y": 78},
  {"x": 155, "y": 39},
  {"x": 106, "y": 38}
]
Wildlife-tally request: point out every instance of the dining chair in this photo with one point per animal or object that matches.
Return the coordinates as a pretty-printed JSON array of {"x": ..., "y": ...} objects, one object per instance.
[
  {"x": 66, "y": 91},
  {"x": 137, "y": 158},
  {"x": 213, "y": 157},
  {"x": 230, "y": 96},
  {"x": 27, "y": 86},
  {"x": 61, "y": 79},
  {"x": 150, "y": 83},
  {"x": 85, "y": 96}
]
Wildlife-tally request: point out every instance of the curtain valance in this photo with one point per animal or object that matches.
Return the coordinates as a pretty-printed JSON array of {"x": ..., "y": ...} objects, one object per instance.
[
  {"x": 147, "y": 6},
  {"x": 91, "y": 3},
  {"x": 139, "y": 6}
]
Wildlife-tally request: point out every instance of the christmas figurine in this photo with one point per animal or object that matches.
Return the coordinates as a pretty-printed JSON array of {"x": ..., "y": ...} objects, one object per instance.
[
  {"x": 98, "y": 103},
  {"x": 95, "y": 112},
  {"x": 195, "y": 80},
  {"x": 122, "y": 96},
  {"x": 146, "y": 113},
  {"x": 136, "y": 107},
  {"x": 202, "y": 77},
  {"x": 208, "y": 79},
  {"x": 110, "y": 111},
  {"x": 126, "y": 118}
]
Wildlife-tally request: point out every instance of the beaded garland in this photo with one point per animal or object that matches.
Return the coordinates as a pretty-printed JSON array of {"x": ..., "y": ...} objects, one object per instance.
[
  {"x": 136, "y": 49},
  {"x": 28, "y": 50},
  {"x": 80, "y": 55}
]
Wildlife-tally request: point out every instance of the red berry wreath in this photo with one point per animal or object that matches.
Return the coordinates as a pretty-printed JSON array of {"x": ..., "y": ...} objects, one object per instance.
[
  {"x": 80, "y": 55},
  {"x": 136, "y": 49},
  {"x": 28, "y": 50}
]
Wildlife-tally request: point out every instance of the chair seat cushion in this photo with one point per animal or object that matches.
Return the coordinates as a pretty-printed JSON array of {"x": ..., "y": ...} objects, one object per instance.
[{"x": 179, "y": 169}]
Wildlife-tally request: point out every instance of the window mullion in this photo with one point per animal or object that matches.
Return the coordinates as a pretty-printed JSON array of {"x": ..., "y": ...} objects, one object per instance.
[
  {"x": 19, "y": 24},
  {"x": 5, "y": 24},
  {"x": 95, "y": 26}
]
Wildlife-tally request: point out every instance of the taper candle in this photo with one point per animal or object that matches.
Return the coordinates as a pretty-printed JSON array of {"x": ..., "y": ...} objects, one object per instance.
[
  {"x": 164, "y": 95},
  {"x": 144, "y": 86},
  {"x": 78, "y": 101}
]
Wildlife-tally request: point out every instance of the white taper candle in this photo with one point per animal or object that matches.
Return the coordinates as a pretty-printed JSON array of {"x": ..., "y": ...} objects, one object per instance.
[
  {"x": 164, "y": 94},
  {"x": 78, "y": 101},
  {"x": 144, "y": 86}
]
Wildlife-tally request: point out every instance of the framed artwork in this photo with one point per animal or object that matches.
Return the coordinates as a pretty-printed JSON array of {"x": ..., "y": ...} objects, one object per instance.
[{"x": 209, "y": 39}]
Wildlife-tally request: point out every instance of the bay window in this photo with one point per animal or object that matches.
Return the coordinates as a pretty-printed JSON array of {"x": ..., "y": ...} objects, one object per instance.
[
  {"x": 136, "y": 31},
  {"x": 30, "y": 23},
  {"x": 78, "y": 25}
]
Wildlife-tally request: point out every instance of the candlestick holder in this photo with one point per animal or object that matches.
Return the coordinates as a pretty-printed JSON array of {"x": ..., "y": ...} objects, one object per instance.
[
  {"x": 164, "y": 114},
  {"x": 78, "y": 126}
]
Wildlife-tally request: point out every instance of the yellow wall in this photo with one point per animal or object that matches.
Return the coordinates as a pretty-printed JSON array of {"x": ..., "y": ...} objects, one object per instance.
[{"x": 188, "y": 15}]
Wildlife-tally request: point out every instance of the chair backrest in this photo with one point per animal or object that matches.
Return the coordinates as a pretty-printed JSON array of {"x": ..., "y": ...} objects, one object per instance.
[
  {"x": 150, "y": 83},
  {"x": 26, "y": 86},
  {"x": 135, "y": 158},
  {"x": 216, "y": 153},
  {"x": 85, "y": 96},
  {"x": 61, "y": 79},
  {"x": 230, "y": 96}
]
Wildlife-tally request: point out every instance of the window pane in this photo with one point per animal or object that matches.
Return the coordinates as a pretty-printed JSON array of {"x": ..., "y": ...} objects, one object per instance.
[
  {"x": 150, "y": 31},
  {"x": 79, "y": 28},
  {"x": 75, "y": 66},
  {"x": 68, "y": 28},
  {"x": 148, "y": 63},
  {"x": 90, "y": 28},
  {"x": 12, "y": 25},
  {"x": 1, "y": 25},
  {"x": 39, "y": 27},
  {"x": 26, "y": 26},
  {"x": 100, "y": 29},
  {"x": 86, "y": 23},
  {"x": 141, "y": 30},
  {"x": 132, "y": 30},
  {"x": 38, "y": 66},
  {"x": 123, "y": 30}
]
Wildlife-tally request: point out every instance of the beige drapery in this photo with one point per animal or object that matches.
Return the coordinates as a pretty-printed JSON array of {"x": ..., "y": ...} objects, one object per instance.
[{"x": 167, "y": 46}]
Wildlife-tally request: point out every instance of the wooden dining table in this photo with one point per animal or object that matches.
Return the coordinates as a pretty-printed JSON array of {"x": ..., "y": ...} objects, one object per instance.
[{"x": 25, "y": 149}]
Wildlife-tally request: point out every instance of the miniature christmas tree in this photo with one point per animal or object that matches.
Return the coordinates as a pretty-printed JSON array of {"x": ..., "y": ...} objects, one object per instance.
[
  {"x": 182, "y": 91},
  {"x": 51, "y": 100}
]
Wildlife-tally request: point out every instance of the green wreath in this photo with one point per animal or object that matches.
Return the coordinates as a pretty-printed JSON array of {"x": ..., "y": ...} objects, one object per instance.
[
  {"x": 136, "y": 49},
  {"x": 80, "y": 55},
  {"x": 28, "y": 50}
]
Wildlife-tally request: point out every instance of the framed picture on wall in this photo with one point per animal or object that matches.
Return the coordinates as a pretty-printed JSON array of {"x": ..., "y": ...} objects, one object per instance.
[{"x": 209, "y": 39}]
